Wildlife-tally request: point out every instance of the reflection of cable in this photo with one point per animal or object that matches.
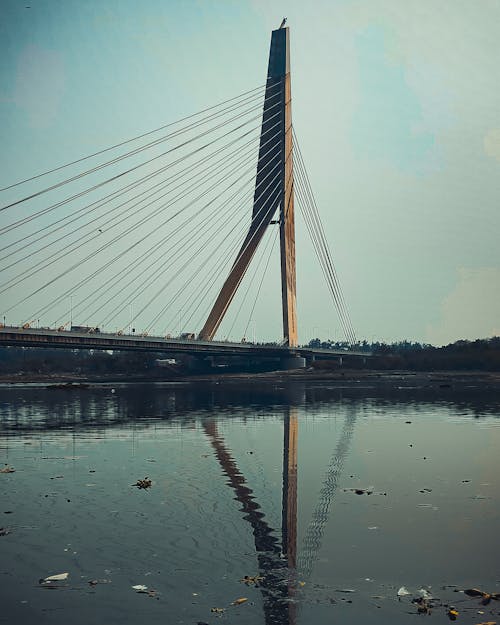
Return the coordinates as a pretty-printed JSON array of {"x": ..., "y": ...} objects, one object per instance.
[{"x": 312, "y": 541}]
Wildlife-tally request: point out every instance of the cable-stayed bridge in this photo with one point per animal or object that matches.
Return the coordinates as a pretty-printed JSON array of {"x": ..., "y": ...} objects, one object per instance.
[{"x": 164, "y": 241}]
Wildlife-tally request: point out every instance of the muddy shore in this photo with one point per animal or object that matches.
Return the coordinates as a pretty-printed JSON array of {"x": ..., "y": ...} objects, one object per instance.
[{"x": 443, "y": 380}]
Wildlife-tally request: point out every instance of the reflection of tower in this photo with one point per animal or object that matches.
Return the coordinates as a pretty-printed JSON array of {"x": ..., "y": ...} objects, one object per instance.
[
  {"x": 278, "y": 609},
  {"x": 289, "y": 519},
  {"x": 289, "y": 511}
]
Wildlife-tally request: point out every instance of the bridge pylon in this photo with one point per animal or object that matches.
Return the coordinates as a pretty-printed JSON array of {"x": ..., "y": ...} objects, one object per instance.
[{"x": 274, "y": 156}]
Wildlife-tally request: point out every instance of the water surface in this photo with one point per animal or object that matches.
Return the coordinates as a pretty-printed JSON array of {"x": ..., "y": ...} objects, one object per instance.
[{"x": 258, "y": 482}]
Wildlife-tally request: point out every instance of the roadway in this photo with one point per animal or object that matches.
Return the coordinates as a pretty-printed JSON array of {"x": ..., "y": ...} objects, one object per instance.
[{"x": 48, "y": 338}]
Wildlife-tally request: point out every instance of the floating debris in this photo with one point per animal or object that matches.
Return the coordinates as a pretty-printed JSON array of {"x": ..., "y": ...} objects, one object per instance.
[
  {"x": 239, "y": 601},
  {"x": 60, "y": 577},
  {"x": 363, "y": 491},
  {"x": 4, "y": 531},
  {"x": 49, "y": 582},
  {"x": 423, "y": 606},
  {"x": 403, "y": 592},
  {"x": 486, "y": 597},
  {"x": 425, "y": 594},
  {"x": 452, "y": 614},
  {"x": 7, "y": 469},
  {"x": 140, "y": 588},
  {"x": 217, "y": 610},
  {"x": 250, "y": 580},
  {"x": 145, "y": 483}
]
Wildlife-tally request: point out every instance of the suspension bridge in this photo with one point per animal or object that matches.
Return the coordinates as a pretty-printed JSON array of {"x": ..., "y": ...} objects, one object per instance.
[{"x": 163, "y": 241}]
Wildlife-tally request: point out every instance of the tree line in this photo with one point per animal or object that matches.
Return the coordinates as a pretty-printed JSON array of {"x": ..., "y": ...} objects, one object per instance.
[{"x": 478, "y": 355}]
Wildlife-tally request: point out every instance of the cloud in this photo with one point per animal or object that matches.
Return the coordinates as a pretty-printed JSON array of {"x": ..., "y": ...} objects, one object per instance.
[{"x": 471, "y": 310}]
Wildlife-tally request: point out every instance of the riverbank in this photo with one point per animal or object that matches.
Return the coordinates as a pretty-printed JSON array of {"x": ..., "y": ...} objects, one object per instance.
[{"x": 385, "y": 379}]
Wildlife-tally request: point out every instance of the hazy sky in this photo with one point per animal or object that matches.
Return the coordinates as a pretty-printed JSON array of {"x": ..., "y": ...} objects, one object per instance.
[{"x": 396, "y": 105}]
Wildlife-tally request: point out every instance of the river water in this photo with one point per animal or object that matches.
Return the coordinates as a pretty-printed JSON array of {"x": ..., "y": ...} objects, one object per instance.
[{"x": 328, "y": 500}]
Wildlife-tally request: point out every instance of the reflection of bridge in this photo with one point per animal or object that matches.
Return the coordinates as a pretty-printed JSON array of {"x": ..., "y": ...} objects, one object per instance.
[
  {"x": 97, "y": 285},
  {"x": 280, "y": 565},
  {"x": 282, "y": 557}
]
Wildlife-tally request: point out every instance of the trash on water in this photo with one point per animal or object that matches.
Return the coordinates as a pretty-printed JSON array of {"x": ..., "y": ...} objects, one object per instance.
[
  {"x": 453, "y": 614},
  {"x": 60, "y": 577},
  {"x": 423, "y": 606},
  {"x": 217, "y": 610},
  {"x": 425, "y": 594},
  {"x": 486, "y": 597},
  {"x": 145, "y": 483},
  {"x": 359, "y": 491},
  {"x": 363, "y": 491},
  {"x": 239, "y": 601},
  {"x": 140, "y": 587},
  {"x": 7, "y": 469},
  {"x": 348, "y": 590},
  {"x": 252, "y": 579},
  {"x": 4, "y": 531},
  {"x": 403, "y": 592}
]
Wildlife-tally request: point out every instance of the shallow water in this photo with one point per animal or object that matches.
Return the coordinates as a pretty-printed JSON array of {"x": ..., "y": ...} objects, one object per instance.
[{"x": 246, "y": 481}]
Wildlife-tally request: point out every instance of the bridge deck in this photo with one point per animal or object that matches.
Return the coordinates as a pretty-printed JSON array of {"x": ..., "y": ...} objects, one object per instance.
[{"x": 34, "y": 337}]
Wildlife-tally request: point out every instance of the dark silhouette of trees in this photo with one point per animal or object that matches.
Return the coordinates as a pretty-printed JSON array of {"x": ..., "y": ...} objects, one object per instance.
[{"x": 478, "y": 355}]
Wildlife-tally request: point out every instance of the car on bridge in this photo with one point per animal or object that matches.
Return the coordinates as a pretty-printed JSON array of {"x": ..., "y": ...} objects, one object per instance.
[{"x": 86, "y": 329}]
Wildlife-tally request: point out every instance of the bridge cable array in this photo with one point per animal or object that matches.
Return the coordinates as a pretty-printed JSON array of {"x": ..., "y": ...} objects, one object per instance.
[
  {"x": 144, "y": 244},
  {"x": 63, "y": 253},
  {"x": 309, "y": 210}
]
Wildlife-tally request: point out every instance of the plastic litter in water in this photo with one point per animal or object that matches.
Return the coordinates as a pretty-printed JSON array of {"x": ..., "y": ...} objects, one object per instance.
[{"x": 56, "y": 578}]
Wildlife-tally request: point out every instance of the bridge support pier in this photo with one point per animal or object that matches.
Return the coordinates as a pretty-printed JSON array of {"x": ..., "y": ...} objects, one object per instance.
[{"x": 292, "y": 362}]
